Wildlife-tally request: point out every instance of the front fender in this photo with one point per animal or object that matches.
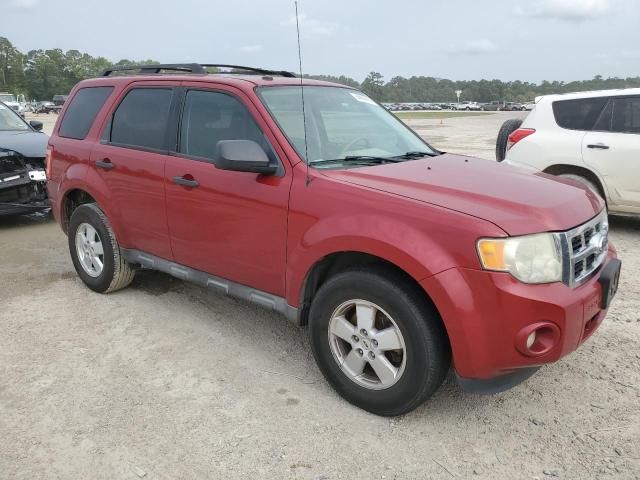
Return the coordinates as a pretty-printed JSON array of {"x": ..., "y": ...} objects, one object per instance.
[{"x": 392, "y": 240}]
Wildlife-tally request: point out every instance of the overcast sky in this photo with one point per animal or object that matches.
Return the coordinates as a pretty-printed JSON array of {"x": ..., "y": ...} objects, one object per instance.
[{"x": 458, "y": 39}]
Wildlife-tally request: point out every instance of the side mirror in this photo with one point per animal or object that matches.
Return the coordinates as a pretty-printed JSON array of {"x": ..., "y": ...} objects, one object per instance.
[
  {"x": 242, "y": 156},
  {"x": 36, "y": 125}
]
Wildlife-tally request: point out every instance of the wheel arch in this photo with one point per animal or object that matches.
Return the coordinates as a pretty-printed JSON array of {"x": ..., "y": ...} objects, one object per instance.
[
  {"x": 78, "y": 194},
  {"x": 590, "y": 175},
  {"x": 337, "y": 262}
]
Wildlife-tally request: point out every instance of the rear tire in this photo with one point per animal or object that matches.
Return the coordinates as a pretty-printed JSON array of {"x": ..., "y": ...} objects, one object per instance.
[
  {"x": 507, "y": 128},
  {"x": 95, "y": 251},
  {"x": 418, "y": 357}
]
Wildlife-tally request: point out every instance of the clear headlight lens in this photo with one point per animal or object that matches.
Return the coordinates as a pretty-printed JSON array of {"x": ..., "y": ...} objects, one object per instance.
[{"x": 530, "y": 259}]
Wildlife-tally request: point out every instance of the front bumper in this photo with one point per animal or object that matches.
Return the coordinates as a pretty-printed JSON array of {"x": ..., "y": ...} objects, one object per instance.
[
  {"x": 485, "y": 314},
  {"x": 23, "y": 196}
]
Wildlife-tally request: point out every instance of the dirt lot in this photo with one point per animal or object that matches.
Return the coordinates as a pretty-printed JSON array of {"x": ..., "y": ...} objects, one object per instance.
[{"x": 166, "y": 380}]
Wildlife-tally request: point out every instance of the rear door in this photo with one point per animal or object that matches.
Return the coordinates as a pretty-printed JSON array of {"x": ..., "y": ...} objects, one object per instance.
[
  {"x": 230, "y": 224},
  {"x": 613, "y": 150},
  {"x": 130, "y": 160}
]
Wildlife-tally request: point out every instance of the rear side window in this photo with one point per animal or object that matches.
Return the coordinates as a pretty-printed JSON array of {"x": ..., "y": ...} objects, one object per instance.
[
  {"x": 626, "y": 115},
  {"x": 142, "y": 118},
  {"x": 603, "y": 124},
  {"x": 578, "y": 114},
  {"x": 82, "y": 111}
]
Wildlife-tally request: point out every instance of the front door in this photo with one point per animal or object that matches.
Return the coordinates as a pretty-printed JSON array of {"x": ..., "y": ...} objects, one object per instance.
[{"x": 229, "y": 224}]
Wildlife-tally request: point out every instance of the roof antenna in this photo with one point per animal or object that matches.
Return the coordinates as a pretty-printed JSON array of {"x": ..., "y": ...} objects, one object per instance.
[{"x": 304, "y": 116}]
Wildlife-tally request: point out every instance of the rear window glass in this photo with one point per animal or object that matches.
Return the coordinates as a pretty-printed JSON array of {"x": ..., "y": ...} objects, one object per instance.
[
  {"x": 141, "y": 119},
  {"x": 578, "y": 114},
  {"x": 82, "y": 111}
]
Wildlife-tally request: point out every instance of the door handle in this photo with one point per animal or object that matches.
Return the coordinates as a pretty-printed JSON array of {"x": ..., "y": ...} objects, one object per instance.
[
  {"x": 186, "y": 182},
  {"x": 598, "y": 146},
  {"x": 104, "y": 164}
]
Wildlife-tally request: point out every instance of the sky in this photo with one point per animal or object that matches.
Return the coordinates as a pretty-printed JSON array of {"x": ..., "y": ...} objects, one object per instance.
[{"x": 529, "y": 40}]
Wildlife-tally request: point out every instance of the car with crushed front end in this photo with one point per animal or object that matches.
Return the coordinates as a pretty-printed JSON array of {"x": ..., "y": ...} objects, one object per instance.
[
  {"x": 311, "y": 199},
  {"x": 22, "y": 176}
]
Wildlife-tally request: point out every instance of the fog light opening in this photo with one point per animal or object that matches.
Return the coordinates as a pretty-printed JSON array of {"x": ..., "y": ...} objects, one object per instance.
[{"x": 537, "y": 339}]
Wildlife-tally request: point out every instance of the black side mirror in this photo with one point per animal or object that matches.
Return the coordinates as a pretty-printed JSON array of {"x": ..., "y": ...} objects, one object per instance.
[
  {"x": 242, "y": 156},
  {"x": 36, "y": 125}
]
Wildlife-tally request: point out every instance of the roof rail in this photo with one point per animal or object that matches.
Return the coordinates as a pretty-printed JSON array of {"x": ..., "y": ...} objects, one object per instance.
[
  {"x": 192, "y": 68},
  {"x": 173, "y": 67},
  {"x": 261, "y": 71}
]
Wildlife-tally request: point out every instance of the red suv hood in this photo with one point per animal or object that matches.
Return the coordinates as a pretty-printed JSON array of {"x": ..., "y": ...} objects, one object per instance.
[{"x": 516, "y": 200}]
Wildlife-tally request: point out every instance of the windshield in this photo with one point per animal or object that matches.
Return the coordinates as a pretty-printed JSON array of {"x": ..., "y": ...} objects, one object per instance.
[
  {"x": 10, "y": 120},
  {"x": 341, "y": 123},
  {"x": 7, "y": 98}
]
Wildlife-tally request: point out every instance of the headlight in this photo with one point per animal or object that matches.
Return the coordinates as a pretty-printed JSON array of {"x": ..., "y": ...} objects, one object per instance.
[{"x": 530, "y": 259}]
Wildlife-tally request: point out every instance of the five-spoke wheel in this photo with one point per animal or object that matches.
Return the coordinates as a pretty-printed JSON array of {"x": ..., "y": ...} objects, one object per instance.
[
  {"x": 89, "y": 249},
  {"x": 367, "y": 344}
]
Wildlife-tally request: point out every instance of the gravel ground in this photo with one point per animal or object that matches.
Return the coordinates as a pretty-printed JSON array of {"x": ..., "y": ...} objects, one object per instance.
[{"x": 166, "y": 380}]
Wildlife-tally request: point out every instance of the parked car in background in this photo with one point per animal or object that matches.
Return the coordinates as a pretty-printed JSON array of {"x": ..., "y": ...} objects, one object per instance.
[
  {"x": 25, "y": 138},
  {"x": 22, "y": 186},
  {"x": 514, "y": 107},
  {"x": 590, "y": 137},
  {"x": 45, "y": 107},
  {"x": 398, "y": 258},
  {"x": 17, "y": 103},
  {"x": 58, "y": 102},
  {"x": 22, "y": 173},
  {"x": 468, "y": 106},
  {"x": 493, "y": 106}
]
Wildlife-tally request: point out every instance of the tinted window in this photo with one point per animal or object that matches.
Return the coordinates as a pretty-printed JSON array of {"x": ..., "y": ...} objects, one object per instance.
[
  {"x": 209, "y": 117},
  {"x": 82, "y": 111},
  {"x": 141, "y": 119},
  {"x": 578, "y": 114},
  {"x": 626, "y": 115},
  {"x": 603, "y": 124}
]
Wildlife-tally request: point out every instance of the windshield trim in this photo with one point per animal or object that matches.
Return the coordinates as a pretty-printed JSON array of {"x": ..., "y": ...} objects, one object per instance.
[{"x": 301, "y": 157}]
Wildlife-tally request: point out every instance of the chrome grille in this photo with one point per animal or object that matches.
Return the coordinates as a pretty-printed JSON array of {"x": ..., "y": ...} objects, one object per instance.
[{"x": 585, "y": 249}]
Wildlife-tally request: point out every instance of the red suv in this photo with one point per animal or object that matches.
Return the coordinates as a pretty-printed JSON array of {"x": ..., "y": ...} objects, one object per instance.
[{"x": 312, "y": 200}]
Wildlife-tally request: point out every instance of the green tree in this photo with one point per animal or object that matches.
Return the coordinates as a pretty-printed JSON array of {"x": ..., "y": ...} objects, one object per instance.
[{"x": 373, "y": 86}]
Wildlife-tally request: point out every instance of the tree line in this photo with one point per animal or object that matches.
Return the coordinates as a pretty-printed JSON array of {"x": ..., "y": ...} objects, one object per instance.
[{"x": 41, "y": 74}]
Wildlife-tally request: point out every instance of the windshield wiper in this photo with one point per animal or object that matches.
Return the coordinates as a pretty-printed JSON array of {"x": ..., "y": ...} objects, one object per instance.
[
  {"x": 412, "y": 155},
  {"x": 362, "y": 159}
]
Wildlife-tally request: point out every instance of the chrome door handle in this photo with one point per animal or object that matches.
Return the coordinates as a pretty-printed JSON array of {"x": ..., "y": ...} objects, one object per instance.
[
  {"x": 186, "y": 182},
  {"x": 104, "y": 164}
]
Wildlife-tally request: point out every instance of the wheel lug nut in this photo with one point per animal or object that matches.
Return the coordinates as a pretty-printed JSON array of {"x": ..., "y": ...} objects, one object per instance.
[
  {"x": 355, "y": 338},
  {"x": 374, "y": 343},
  {"x": 372, "y": 355},
  {"x": 360, "y": 351},
  {"x": 363, "y": 332}
]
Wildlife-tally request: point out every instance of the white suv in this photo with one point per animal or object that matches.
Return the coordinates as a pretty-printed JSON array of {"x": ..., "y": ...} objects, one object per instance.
[{"x": 592, "y": 137}]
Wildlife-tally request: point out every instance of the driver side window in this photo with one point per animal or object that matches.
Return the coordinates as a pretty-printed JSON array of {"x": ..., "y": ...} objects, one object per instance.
[{"x": 209, "y": 117}]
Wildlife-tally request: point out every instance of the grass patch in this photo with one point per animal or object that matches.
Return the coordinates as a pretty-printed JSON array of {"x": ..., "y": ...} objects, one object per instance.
[{"x": 425, "y": 115}]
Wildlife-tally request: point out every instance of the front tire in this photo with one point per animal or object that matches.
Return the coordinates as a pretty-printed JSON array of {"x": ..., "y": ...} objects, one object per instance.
[
  {"x": 95, "y": 251},
  {"x": 378, "y": 341}
]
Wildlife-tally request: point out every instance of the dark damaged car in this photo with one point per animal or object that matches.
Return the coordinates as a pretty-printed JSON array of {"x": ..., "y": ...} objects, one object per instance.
[{"x": 22, "y": 154}]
